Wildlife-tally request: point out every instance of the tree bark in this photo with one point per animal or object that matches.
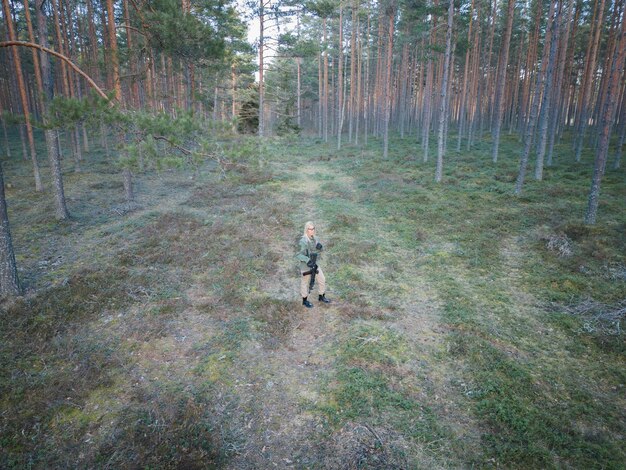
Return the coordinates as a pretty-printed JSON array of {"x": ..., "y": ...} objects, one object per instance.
[
  {"x": 353, "y": 78},
  {"x": 585, "y": 93},
  {"x": 387, "y": 103},
  {"x": 9, "y": 281},
  {"x": 443, "y": 106},
  {"x": 325, "y": 83},
  {"x": 610, "y": 105},
  {"x": 340, "y": 81},
  {"x": 128, "y": 185},
  {"x": 22, "y": 92},
  {"x": 557, "y": 89},
  {"x": 622, "y": 130},
  {"x": 534, "y": 113},
  {"x": 54, "y": 159},
  {"x": 542, "y": 127},
  {"x": 114, "y": 55},
  {"x": 501, "y": 80}
]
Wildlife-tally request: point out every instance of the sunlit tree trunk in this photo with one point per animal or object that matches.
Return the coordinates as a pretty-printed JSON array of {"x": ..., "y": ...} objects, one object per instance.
[{"x": 473, "y": 101}]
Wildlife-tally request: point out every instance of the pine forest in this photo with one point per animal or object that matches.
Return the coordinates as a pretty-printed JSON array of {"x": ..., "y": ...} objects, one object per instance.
[{"x": 459, "y": 162}]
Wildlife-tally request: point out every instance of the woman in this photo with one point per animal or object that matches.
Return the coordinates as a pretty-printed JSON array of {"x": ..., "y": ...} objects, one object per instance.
[{"x": 310, "y": 249}]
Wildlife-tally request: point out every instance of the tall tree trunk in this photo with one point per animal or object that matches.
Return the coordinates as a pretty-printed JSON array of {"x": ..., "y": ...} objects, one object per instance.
[
  {"x": 586, "y": 92},
  {"x": 299, "y": 91},
  {"x": 429, "y": 89},
  {"x": 9, "y": 281},
  {"x": 534, "y": 110},
  {"x": 7, "y": 147},
  {"x": 325, "y": 83},
  {"x": 22, "y": 92},
  {"x": 443, "y": 106},
  {"x": 501, "y": 80},
  {"x": 340, "y": 80},
  {"x": 50, "y": 135},
  {"x": 261, "y": 71},
  {"x": 359, "y": 86},
  {"x": 320, "y": 100},
  {"x": 488, "y": 106},
  {"x": 134, "y": 83},
  {"x": 128, "y": 185},
  {"x": 610, "y": 104},
  {"x": 366, "y": 101},
  {"x": 542, "y": 127},
  {"x": 353, "y": 77},
  {"x": 114, "y": 55},
  {"x": 387, "y": 103},
  {"x": 37, "y": 70},
  {"x": 557, "y": 90},
  {"x": 621, "y": 130},
  {"x": 466, "y": 68},
  {"x": 475, "y": 79},
  {"x": 529, "y": 70}
]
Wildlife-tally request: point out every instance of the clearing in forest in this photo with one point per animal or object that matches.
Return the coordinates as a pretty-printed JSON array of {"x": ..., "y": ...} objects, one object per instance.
[{"x": 170, "y": 333}]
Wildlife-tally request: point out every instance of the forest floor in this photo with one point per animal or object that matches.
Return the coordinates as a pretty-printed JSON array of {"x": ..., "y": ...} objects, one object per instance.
[{"x": 467, "y": 328}]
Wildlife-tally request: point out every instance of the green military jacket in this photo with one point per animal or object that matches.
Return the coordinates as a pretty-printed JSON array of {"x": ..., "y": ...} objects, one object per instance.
[{"x": 307, "y": 247}]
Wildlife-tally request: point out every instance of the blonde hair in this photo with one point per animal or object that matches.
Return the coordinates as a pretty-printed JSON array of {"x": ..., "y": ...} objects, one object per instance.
[{"x": 309, "y": 224}]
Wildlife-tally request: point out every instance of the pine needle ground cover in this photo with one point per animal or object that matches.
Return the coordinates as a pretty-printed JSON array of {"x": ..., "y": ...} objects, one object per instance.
[{"x": 469, "y": 328}]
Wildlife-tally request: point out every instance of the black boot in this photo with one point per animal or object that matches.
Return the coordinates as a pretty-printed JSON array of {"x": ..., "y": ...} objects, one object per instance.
[
  {"x": 322, "y": 298},
  {"x": 306, "y": 303}
]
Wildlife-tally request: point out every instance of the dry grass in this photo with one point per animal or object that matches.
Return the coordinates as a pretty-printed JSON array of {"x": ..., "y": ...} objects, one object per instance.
[{"x": 171, "y": 334}]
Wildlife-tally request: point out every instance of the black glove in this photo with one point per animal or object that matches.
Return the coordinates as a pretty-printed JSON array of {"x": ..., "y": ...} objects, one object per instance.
[
  {"x": 318, "y": 246},
  {"x": 311, "y": 264}
]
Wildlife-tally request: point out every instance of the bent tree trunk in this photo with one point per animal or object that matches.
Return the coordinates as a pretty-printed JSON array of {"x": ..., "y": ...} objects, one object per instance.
[{"x": 9, "y": 282}]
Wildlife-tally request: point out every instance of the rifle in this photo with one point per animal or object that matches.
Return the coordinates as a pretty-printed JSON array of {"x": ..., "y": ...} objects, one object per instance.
[{"x": 313, "y": 271}]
